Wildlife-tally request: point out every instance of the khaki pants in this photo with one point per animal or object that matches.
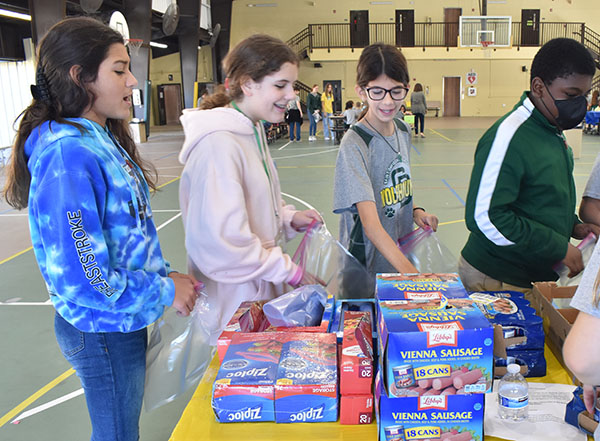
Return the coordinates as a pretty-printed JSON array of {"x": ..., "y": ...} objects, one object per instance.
[{"x": 475, "y": 280}]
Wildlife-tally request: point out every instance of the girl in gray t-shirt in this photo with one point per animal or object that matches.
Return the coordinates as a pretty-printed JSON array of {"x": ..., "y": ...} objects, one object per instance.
[{"x": 373, "y": 187}]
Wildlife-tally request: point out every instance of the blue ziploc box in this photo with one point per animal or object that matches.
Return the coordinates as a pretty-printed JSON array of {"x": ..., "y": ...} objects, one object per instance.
[
  {"x": 437, "y": 417},
  {"x": 422, "y": 288},
  {"x": 440, "y": 351},
  {"x": 306, "y": 386},
  {"x": 522, "y": 328},
  {"x": 244, "y": 389}
]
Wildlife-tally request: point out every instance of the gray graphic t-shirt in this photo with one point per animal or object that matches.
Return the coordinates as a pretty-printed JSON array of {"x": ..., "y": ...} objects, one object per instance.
[{"x": 375, "y": 173}]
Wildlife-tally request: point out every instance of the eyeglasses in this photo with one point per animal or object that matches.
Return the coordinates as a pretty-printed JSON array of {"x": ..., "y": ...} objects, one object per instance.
[{"x": 378, "y": 93}]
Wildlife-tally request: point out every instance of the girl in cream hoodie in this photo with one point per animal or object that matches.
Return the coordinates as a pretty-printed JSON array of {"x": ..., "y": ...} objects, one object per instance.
[{"x": 235, "y": 220}]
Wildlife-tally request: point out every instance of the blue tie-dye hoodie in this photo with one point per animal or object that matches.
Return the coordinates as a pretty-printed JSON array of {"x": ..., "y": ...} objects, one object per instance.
[{"x": 92, "y": 229}]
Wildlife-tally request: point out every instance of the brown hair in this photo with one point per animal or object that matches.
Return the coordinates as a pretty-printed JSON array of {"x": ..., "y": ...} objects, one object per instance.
[
  {"x": 79, "y": 41},
  {"x": 255, "y": 57},
  {"x": 418, "y": 87},
  {"x": 381, "y": 59},
  {"x": 594, "y": 100},
  {"x": 326, "y": 91}
]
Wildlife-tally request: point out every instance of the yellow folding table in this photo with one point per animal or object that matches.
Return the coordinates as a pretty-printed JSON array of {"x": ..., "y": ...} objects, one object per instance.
[{"x": 198, "y": 421}]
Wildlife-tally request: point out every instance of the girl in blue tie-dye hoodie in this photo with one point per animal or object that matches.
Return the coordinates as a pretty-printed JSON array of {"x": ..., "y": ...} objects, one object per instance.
[{"x": 77, "y": 169}]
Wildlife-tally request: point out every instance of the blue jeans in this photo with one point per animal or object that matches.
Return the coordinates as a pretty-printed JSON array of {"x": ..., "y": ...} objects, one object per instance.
[
  {"x": 112, "y": 369},
  {"x": 297, "y": 131},
  {"x": 419, "y": 118},
  {"x": 312, "y": 128},
  {"x": 327, "y": 125}
]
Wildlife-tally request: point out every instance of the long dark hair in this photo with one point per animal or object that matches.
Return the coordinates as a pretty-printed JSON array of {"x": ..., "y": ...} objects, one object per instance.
[
  {"x": 82, "y": 42},
  {"x": 255, "y": 57}
]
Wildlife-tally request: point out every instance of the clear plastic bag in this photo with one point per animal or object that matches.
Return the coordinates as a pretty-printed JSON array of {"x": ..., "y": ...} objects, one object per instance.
[
  {"x": 586, "y": 246},
  {"x": 322, "y": 256},
  {"x": 178, "y": 354},
  {"x": 425, "y": 251},
  {"x": 301, "y": 307}
]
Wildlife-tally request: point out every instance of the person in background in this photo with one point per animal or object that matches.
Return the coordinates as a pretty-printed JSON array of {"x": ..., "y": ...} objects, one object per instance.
[
  {"x": 418, "y": 107},
  {"x": 77, "y": 169},
  {"x": 589, "y": 209},
  {"x": 327, "y": 111},
  {"x": 593, "y": 106},
  {"x": 520, "y": 207},
  {"x": 203, "y": 95},
  {"x": 373, "y": 189},
  {"x": 349, "y": 114},
  {"x": 313, "y": 107},
  {"x": 236, "y": 222},
  {"x": 358, "y": 109},
  {"x": 295, "y": 116}
]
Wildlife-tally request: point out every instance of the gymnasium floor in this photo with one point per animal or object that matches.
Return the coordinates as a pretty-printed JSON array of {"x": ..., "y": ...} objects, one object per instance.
[{"x": 40, "y": 398}]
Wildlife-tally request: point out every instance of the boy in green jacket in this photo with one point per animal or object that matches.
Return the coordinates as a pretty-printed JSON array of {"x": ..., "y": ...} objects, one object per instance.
[{"x": 521, "y": 202}]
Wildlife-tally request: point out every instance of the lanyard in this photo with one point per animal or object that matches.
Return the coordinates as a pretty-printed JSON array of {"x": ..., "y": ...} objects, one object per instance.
[{"x": 259, "y": 141}]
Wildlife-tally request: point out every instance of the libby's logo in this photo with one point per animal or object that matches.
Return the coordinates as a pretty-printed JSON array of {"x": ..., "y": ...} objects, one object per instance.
[
  {"x": 433, "y": 402},
  {"x": 441, "y": 334},
  {"x": 431, "y": 295}
]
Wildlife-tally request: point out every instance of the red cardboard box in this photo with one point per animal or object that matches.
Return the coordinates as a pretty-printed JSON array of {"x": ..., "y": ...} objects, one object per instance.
[
  {"x": 356, "y": 361},
  {"x": 249, "y": 317},
  {"x": 356, "y": 409}
]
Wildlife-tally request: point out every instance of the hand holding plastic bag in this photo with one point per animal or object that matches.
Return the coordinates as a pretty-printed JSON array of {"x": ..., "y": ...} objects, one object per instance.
[
  {"x": 586, "y": 246},
  {"x": 425, "y": 251},
  {"x": 322, "y": 256},
  {"x": 178, "y": 354},
  {"x": 301, "y": 307}
]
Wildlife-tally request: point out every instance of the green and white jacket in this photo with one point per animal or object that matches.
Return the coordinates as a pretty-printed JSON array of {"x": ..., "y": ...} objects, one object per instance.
[{"x": 521, "y": 203}]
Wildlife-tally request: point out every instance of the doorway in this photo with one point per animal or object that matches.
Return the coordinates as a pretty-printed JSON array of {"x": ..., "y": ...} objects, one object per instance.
[
  {"x": 451, "y": 96},
  {"x": 337, "y": 94},
  {"x": 169, "y": 103},
  {"x": 451, "y": 23},
  {"x": 359, "y": 28},
  {"x": 405, "y": 27},
  {"x": 530, "y": 27}
]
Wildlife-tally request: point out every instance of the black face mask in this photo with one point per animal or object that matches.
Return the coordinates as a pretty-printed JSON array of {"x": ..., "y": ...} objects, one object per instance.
[{"x": 570, "y": 111}]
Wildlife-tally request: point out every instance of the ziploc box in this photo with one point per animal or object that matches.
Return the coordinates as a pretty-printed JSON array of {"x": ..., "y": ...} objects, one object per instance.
[
  {"x": 244, "y": 386},
  {"x": 421, "y": 288},
  {"x": 306, "y": 386},
  {"x": 249, "y": 317},
  {"x": 439, "y": 417},
  {"x": 444, "y": 350}
]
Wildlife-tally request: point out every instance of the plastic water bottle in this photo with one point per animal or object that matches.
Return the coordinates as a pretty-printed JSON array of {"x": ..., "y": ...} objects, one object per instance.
[{"x": 513, "y": 395}]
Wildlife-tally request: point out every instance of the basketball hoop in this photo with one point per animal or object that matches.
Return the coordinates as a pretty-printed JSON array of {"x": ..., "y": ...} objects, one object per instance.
[
  {"x": 134, "y": 45},
  {"x": 485, "y": 44}
]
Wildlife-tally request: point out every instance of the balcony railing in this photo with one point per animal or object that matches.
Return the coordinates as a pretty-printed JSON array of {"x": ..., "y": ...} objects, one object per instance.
[{"x": 341, "y": 35}]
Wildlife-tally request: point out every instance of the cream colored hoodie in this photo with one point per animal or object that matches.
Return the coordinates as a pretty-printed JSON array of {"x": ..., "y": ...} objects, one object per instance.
[{"x": 232, "y": 213}]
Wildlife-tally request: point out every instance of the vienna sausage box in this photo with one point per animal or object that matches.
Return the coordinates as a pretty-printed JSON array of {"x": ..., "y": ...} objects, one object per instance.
[
  {"x": 434, "y": 350},
  {"x": 440, "y": 417},
  {"x": 422, "y": 288},
  {"x": 306, "y": 384},
  {"x": 244, "y": 386}
]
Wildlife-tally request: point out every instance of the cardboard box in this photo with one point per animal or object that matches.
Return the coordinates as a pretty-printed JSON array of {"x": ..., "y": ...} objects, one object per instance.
[
  {"x": 356, "y": 358},
  {"x": 356, "y": 409},
  {"x": 244, "y": 386},
  {"x": 306, "y": 385},
  {"x": 421, "y": 288},
  {"x": 452, "y": 417},
  {"x": 557, "y": 322},
  {"x": 434, "y": 351}
]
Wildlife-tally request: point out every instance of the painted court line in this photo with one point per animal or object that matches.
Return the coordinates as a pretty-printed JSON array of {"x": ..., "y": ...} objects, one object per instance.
[
  {"x": 441, "y": 136},
  {"x": 306, "y": 154},
  {"x": 48, "y": 405},
  {"x": 451, "y": 222},
  {"x": 453, "y": 192},
  {"x": 23, "y": 405},
  {"x": 284, "y": 145}
]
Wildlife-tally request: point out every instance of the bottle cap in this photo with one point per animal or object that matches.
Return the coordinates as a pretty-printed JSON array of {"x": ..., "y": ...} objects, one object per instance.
[{"x": 513, "y": 368}]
